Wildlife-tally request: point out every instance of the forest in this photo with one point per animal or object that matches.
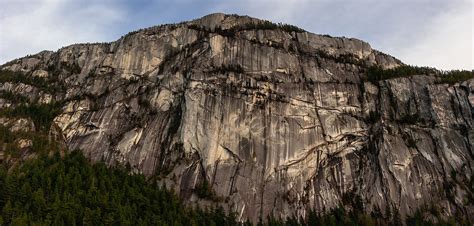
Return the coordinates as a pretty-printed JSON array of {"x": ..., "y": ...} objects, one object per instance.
[
  {"x": 66, "y": 189},
  {"x": 55, "y": 190},
  {"x": 376, "y": 73}
]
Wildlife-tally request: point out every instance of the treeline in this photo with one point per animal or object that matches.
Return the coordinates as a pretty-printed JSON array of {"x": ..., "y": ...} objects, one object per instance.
[
  {"x": 13, "y": 97},
  {"x": 68, "y": 190},
  {"x": 49, "y": 85},
  {"x": 18, "y": 77},
  {"x": 51, "y": 190},
  {"x": 455, "y": 76},
  {"x": 268, "y": 25},
  {"x": 41, "y": 114},
  {"x": 261, "y": 25},
  {"x": 8, "y": 140},
  {"x": 377, "y": 73}
]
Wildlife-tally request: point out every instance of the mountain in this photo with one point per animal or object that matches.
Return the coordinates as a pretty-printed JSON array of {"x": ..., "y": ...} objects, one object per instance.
[{"x": 262, "y": 118}]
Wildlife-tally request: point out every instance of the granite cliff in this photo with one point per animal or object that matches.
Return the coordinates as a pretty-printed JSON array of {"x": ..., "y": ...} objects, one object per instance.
[{"x": 265, "y": 118}]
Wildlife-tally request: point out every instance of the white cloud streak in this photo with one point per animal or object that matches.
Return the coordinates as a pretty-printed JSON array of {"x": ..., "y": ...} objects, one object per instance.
[
  {"x": 27, "y": 27},
  {"x": 433, "y": 33},
  {"x": 447, "y": 42},
  {"x": 421, "y": 32}
]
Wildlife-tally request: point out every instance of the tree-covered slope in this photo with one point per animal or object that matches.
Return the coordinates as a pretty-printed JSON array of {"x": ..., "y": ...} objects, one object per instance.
[
  {"x": 68, "y": 190},
  {"x": 55, "y": 190}
]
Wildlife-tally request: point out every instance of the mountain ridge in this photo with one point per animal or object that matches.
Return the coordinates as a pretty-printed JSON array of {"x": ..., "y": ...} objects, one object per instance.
[{"x": 210, "y": 22}]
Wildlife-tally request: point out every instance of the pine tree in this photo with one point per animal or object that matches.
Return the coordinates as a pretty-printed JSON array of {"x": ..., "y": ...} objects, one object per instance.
[{"x": 20, "y": 220}]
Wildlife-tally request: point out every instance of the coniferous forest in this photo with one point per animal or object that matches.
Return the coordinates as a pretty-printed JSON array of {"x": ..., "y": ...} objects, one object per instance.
[
  {"x": 68, "y": 190},
  {"x": 51, "y": 190}
]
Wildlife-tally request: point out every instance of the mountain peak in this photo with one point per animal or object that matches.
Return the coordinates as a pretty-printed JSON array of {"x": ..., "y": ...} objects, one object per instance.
[
  {"x": 266, "y": 34},
  {"x": 224, "y": 21}
]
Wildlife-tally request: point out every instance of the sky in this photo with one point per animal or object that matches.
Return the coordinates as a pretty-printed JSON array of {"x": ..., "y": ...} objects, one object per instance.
[{"x": 436, "y": 33}]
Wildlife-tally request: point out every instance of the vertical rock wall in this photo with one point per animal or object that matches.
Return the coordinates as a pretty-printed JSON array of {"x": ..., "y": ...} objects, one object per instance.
[{"x": 277, "y": 122}]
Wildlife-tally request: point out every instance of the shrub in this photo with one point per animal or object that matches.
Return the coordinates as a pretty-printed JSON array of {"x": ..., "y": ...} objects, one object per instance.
[
  {"x": 41, "y": 114},
  {"x": 72, "y": 68},
  {"x": 411, "y": 119},
  {"x": 411, "y": 143},
  {"x": 14, "y": 98},
  {"x": 229, "y": 68},
  {"x": 50, "y": 85},
  {"x": 204, "y": 190},
  {"x": 373, "y": 117},
  {"x": 18, "y": 77},
  {"x": 346, "y": 58}
]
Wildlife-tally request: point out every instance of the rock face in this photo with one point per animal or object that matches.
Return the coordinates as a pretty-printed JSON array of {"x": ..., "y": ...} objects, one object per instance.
[{"x": 276, "y": 121}]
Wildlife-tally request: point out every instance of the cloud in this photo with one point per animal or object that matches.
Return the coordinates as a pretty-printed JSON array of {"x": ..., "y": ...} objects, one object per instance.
[
  {"x": 27, "y": 27},
  {"x": 421, "y": 32},
  {"x": 447, "y": 42}
]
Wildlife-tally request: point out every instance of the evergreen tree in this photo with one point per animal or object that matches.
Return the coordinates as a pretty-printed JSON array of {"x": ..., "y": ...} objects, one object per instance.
[{"x": 93, "y": 194}]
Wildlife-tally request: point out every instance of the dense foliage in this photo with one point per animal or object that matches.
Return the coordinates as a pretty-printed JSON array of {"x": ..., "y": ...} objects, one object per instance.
[
  {"x": 17, "y": 77},
  {"x": 376, "y": 73},
  {"x": 41, "y": 114},
  {"x": 261, "y": 25},
  {"x": 14, "y": 98},
  {"x": 268, "y": 25},
  {"x": 50, "y": 84},
  {"x": 454, "y": 76},
  {"x": 51, "y": 190},
  {"x": 39, "y": 141},
  {"x": 55, "y": 190}
]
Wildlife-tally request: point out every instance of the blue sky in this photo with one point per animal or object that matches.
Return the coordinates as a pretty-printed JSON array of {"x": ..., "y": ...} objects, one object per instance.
[{"x": 421, "y": 32}]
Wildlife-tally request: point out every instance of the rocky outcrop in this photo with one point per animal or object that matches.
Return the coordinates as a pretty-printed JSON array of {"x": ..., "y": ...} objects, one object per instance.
[{"x": 276, "y": 121}]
